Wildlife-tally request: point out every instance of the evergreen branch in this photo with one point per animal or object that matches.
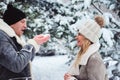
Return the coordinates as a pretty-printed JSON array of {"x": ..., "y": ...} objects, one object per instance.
[
  {"x": 102, "y": 13},
  {"x": 97, "y": 8},
  {"x": 1, "y": 14}
]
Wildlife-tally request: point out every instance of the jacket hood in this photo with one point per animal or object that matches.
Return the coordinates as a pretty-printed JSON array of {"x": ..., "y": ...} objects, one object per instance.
[{"x": 91, "y": 50}]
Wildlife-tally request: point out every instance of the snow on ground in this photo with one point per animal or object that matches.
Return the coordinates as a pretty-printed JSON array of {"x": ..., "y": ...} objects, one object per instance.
[{"x": 49, "y": 68}]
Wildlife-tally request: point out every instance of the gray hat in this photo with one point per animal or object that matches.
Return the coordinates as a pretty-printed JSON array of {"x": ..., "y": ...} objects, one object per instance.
[{"x": 91, "y": 30}]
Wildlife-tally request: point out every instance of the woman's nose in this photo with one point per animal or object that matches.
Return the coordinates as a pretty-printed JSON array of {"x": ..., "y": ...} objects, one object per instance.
[{"x": 76, "y": 37}]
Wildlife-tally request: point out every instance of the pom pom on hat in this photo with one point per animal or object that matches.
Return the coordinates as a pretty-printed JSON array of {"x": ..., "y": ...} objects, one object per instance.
[
  {"x": 100, "y": 20},
  {"x": 91, "y": 30},
  {"x": 13, "y": 15}
]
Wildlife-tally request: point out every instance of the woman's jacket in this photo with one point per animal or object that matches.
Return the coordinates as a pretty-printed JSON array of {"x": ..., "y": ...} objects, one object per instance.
[{"x": 91, "y": 66}]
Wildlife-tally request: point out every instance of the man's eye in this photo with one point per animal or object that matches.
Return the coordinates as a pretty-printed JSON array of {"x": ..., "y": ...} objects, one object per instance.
[{"x": 22, "y": 21}]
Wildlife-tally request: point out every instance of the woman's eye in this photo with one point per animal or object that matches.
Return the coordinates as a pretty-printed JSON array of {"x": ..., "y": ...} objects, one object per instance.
[{"x": 79, "y": 34}]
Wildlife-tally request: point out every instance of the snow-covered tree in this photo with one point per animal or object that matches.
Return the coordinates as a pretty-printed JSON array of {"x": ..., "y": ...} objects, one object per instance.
[{"x": 60, "y": 18}]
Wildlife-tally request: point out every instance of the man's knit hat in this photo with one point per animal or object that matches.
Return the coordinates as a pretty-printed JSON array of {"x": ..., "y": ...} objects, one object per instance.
[
  {"x": 91, "y": 30},
  {"x": 13, "y": 15}
]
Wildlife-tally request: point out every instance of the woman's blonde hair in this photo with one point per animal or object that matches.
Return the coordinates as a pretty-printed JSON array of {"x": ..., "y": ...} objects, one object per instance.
[{"x": 82, "y": 51}]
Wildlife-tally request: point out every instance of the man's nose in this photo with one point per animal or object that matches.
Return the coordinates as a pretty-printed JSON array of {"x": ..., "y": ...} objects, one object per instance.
[{"x": 25, "y": 25}]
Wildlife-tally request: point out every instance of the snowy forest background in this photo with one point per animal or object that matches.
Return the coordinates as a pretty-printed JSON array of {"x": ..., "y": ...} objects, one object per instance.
[{"x": 60, "y": 19}]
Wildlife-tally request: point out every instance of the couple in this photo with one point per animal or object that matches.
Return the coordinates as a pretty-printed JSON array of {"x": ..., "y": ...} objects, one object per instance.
[{"x": 15, "y": 56}]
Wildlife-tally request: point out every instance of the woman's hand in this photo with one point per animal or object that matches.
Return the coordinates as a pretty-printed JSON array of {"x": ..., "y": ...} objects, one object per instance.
[
  {"x": 67, "y": 76},
  {"x": 40, "y": 39}
]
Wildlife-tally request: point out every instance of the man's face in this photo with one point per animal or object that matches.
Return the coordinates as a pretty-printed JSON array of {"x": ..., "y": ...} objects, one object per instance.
[{"x": 19, "y": 27}]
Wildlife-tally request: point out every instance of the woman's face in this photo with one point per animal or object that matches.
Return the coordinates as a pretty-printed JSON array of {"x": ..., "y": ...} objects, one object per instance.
[{"x": 80, "y": 39}]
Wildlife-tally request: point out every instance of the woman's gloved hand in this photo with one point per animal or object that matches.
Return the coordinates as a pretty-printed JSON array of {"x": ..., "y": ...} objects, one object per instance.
[{"x": 68, "y": 76}]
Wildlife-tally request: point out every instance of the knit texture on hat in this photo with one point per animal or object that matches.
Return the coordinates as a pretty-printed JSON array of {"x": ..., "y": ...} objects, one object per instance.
[
  {"x": 91, "y": 30},
  {"x": 13, "y": 15}
]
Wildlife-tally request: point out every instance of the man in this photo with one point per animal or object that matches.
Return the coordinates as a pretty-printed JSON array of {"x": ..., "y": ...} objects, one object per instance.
[{"x": 15, "y": 56}]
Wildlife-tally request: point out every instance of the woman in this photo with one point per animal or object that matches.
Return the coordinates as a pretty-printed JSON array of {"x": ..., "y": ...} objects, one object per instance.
[{"x": 88, "y": 64}]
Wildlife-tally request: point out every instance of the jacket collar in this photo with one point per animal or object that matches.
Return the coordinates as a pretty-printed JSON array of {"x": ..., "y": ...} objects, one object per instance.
[
  {"x": 92, "y": 49},
  {"x": 84, "y": 59},
  {"x": 8, "y": 30}
]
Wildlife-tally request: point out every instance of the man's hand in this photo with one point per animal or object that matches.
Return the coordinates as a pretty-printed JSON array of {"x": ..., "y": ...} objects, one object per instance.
[{"x": 40, "y": 39}]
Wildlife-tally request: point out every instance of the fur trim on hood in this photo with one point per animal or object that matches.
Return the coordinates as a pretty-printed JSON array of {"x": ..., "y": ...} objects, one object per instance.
[
  {"x": 7, "y": 29},
  {"x": 84, "y": 58},
  {"x": 92, "y": 49}
]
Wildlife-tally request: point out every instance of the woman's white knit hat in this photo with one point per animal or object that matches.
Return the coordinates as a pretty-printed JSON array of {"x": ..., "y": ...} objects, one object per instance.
[{"x": 91, "y": 30}]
